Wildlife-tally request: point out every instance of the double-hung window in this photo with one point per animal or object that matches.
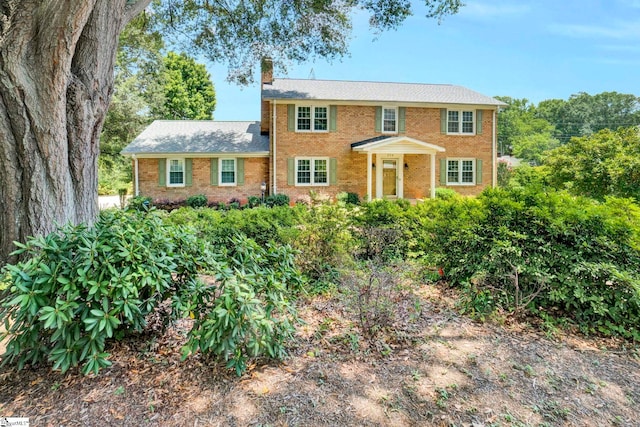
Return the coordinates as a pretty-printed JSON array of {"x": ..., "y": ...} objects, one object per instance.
[
  {"x": 389, "y": 120},
  {"x": 175, "y": 173},
  {"x": 228, "y": 171},
  {"x": 312, "y": 171},
  {"x": 461, "y": 171},
  {"x": 311, "y": 118},
  {"x": 460, "y": 122}
]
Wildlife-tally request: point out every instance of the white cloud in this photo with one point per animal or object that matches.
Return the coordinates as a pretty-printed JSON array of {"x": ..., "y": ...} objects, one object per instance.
[
  {"x": 620, "y": 30},
  {"x": 491, "y": 10}
]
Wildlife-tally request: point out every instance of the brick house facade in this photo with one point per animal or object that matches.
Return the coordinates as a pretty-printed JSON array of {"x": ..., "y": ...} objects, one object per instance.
[{"x": 378, "y": 140}]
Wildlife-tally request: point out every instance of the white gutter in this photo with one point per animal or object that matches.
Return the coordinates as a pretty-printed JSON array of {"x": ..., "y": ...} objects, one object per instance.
[
  {"x": 136, "y": 189},
  {"x": 494, "y": 160},
  {"x": 273, "y": 133}
]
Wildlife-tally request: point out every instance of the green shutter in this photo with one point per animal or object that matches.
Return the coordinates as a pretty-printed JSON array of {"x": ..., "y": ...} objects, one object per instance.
[
  {"x": 478, "y": 171},
  {"x": 291, "y": 117},
  {"x": 443, "y": 171},
  {"x": 478, "y": 122},
  {"x": 333, "y": 118},
  {"x": 240, "y": 166},
  {"x": 214, "y": 171},
  {"x": 333, "y": 171},
  {"x": 443, "y": 120},
  {"x": 291, "y": 171},
  {"x": 188, "y": 172},
  {"x": 402, "y": 127},
  {"x": 378, "y": 119},
  {"x": 162, "y": 172}
]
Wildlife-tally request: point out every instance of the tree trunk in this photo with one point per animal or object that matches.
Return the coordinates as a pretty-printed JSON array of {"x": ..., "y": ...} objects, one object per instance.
[{"x": 56, "y": 80}]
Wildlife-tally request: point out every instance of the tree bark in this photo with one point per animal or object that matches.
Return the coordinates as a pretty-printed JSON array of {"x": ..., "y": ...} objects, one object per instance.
[{"x": 56, "y": 80}]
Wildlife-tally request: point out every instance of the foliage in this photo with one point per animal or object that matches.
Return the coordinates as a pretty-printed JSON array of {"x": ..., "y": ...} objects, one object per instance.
[
  {"x": 188, "y": 90},
  {"x": 604, "y": 164},
  {"x": 140, "y": 203},
  {"x": 247, "y": 311},
  {"x": 348, "y": 198},
  {"x": 522, "y": 249},
  {"x": 277, "y": 200},
  {"x": 505, "y": 172},
  {"x": 80, "y": 286},
  {"x": 242, "y": 33},
  {"x": 583, "y": 114},
  {"x": 446, "y": 193},
  {"x": 197, "y": 201}
]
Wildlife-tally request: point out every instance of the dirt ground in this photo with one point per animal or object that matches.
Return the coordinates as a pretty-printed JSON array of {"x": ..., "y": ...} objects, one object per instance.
[{"x": 438, "y": 369}]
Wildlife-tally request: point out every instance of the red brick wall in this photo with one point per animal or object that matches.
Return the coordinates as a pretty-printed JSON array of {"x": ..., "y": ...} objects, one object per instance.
[
  {"x": 357, "y": 123},
  {"x": 255, "y": 173}
]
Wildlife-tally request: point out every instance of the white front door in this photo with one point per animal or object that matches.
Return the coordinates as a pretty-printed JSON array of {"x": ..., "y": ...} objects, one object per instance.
[{"x": 389, "y": 176}]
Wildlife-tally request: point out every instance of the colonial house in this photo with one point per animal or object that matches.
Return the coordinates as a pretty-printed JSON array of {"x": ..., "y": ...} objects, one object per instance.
[{"x": 378, "y": 140}]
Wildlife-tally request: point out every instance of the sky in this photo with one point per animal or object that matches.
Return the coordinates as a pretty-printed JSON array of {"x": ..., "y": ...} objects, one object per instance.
[{"x": 533, "y": 49}]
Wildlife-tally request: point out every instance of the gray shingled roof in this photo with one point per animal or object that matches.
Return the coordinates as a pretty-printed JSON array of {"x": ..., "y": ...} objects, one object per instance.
[
  {"x": 199, "y": 136},
  {"x": 339, "y": 90}
]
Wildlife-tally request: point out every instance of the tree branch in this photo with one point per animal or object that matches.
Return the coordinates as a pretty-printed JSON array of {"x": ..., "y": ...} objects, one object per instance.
[{"x": 132, "y": 9}]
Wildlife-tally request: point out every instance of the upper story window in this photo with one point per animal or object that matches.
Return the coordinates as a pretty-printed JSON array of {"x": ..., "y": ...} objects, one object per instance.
[
  {"x": 175, "y": 173},
  {"x": 389, "y": 120},
  {"x": 310, "y": 118},
  {"x": 461, "y": 122}
]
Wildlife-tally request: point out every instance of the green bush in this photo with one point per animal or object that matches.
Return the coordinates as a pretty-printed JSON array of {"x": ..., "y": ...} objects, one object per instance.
[
  {"x": 348, "y": 198},
  {"x": 80, "y": 286},
  {"x": 446, "y": 193},
  {"x": 140, "y": 203},
  {"x": 277, "y": 200},
  {"x": 248, "y": 310},
  {"x": 529, "y": 251},
  {"x": 197, "y": 201}
]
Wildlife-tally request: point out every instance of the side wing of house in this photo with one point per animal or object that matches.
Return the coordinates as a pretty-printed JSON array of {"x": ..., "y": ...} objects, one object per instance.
[{"x": 173, "y": 160}]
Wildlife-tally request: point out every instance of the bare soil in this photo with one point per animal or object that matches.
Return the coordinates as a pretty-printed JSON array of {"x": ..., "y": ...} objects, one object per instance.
[{"x": 437, "y": 368}]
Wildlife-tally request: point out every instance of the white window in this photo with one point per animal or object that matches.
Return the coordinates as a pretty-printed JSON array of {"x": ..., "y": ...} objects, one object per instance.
[
  {"x": 461, "y": 122},
  {"x": 389, "y": 120},
  {"x": 461, "y": 171},
  {"x": 312, "y": 171},
  {"x": 175, "y": 173},
  {"x": 228, "y": 171},
  {"x": 312, "y": 119}
]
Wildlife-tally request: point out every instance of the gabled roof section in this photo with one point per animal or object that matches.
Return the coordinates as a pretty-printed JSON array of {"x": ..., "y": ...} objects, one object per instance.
[
  {"x": 396, "y": 144},
  {"x": 199, "y": 137},
  {"x": 341, "y": 90}
]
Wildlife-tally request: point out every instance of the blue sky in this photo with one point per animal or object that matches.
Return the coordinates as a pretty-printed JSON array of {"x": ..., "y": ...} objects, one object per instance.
[{"x": 534, "y": 49}]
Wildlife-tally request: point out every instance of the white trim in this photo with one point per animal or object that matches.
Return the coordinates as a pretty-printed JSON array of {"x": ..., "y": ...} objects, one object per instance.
[
  {"x": 184, "y": 171},
  {"x": 377, "y": 103},
  {"x": 136, "y": 181},
  {"x": 312, "y": 118},
  {"x": 395, "y": 112},
  {"x": 274, "y": 134},
  {"x": 460, "y": 160},
  {"x": 235, "y": 173},
  {"x": 385, "y": 145},
  {"x": 312, "y": 167},
  {"x": 197, "y": 155},
  {"x": 494, "y": 157},
  {"x": 461, "y": 122}
]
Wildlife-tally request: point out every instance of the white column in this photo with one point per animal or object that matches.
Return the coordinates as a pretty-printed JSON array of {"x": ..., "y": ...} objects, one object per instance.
[
  {"x": 433, "y": 175},
  {"x": 369, "y": 159}
]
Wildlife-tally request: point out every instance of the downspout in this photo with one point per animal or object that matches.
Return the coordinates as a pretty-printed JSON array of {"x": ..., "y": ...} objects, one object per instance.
[
  {"x": 136, "y": 189},
  {"x": 494, "y": 159},
  {"x": 273, "y": 132}
]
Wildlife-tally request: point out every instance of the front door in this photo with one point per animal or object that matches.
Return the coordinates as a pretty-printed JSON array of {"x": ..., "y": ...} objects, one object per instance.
[{"x": 389, "y": 178}]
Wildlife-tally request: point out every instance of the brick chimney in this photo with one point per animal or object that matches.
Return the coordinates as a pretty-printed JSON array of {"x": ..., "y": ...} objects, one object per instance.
[{"x": 266, "y": 68}]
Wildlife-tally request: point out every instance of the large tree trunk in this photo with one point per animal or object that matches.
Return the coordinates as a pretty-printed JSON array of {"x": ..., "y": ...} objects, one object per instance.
[{"x": 56, "y": 80}]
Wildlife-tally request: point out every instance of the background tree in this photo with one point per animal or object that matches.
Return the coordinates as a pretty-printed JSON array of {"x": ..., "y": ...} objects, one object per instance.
[
  {"x": 606, "y": 163},
  {"x": 187, "y": 89},
  {"x": 56, "y": 81}
]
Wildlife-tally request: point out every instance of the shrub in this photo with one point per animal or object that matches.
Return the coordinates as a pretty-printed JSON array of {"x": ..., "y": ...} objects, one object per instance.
[
  {"x": 446, "y": 193},
  {"x": 254, "y": 201},
  {"x": 197, "y": 201},
  {"x": 248, "y": 311},
  {"x": 348, "y": 198},
  {"x": 80, "y": 286},
  {"x": 277, "y": 200},
  {"x": 140, "y": 203}
]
